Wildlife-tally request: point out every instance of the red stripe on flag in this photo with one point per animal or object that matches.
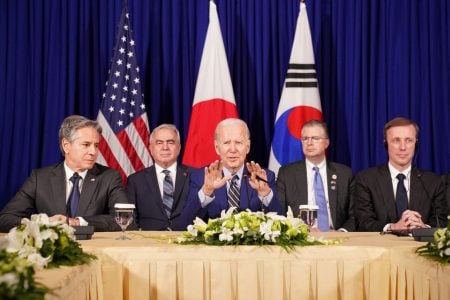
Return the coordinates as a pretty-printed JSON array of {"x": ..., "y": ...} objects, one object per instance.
[
  {"x": 142, "y": 129},
  {"x": 128, "y": 147},
  {"x": 205, "y": 116},
  {"x": 111, "y": 160}
]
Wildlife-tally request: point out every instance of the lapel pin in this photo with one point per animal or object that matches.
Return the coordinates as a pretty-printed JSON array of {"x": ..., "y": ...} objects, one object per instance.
[{"x": 92, "y": 179}]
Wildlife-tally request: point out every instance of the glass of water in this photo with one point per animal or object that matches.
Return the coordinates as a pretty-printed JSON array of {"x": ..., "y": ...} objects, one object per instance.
[
  {"x": 308, "y": 213},
  {"x": 124, "y": 217}
]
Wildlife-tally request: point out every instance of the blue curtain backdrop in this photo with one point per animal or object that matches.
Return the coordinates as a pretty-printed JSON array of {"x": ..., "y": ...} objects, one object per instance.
[{"x": 376, "y": 60}]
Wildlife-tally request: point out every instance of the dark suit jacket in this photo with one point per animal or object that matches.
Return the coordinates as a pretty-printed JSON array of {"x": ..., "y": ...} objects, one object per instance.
[
  {"x": 374, "y": 200},
  {"x": 447, "y": 184},
  {"x": 143, "y": 190},
  {"x": 293, "y": 191},
  {"x": 249, "y": 199},
  {"x": 45, "y": 192}
]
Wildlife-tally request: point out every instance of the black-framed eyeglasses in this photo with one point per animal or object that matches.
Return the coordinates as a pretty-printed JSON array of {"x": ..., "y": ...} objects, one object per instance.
[{"x": 314, "y": 139}]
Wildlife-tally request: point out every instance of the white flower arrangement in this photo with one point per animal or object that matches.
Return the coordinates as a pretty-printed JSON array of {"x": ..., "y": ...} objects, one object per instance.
[
  {"x": 35, "y": 244},
  {"x": 439, "y": 248},
  {"x": 251, "y": 228}
]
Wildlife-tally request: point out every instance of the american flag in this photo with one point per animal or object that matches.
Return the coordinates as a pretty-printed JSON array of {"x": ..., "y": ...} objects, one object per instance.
[{"x": 122, "y": 115}]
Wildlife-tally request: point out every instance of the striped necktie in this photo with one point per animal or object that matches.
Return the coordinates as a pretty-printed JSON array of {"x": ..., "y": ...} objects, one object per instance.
[
  {"x": 167, "y": 198},
  {"x": 234, "y": 192}
]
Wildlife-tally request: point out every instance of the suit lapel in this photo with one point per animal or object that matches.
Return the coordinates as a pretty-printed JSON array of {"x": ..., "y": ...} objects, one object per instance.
[
  {"x": 58, "y": 185},
  {"x": 152, "y": 178},
  {"x": 180, "y": 182},
  {"x": 332, "y": 190},
  {"x": 301, "y": 181},
  {"x": 385, "y": 186},
  {"x": 416, "y": 192},
  {"x": 89, "y": 185}
]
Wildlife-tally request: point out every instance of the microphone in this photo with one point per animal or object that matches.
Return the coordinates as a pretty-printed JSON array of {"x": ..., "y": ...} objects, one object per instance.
[
  {"x": 245, "y": 176},
  {"x": 419, "y": 176}
]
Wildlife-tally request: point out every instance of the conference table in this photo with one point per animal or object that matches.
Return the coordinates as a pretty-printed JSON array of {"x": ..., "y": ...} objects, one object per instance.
[{"x": 152, "y": 266}]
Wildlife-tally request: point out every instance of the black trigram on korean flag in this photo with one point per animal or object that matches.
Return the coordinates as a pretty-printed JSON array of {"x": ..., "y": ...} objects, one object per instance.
[{"x": 301, "y": 76}]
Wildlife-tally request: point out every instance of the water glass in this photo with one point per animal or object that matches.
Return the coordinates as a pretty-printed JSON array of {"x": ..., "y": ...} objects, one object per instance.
[
  {"x": 308, "y": 213},
  {"x": 124, "y": 217}
]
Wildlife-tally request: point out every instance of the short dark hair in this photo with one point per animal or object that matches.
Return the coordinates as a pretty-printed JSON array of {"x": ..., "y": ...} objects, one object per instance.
[
  {"x": 400, "y": 121},
  {"x": 71, "y": 124},
  {"x": 319, "y": 123}
]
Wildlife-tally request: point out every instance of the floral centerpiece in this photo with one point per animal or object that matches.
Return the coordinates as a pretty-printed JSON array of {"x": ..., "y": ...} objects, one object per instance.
[
  {"x": 251, "y": 228},
  {"x": 35, "y": 244},
  {"x": 439, "y": 248},
  {"x": 46, "y": 242},
  {"x": 17, "y": 278}
]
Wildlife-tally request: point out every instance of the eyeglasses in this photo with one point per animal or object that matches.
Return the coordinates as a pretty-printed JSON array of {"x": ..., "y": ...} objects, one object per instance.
[{"x": 314, "y": 139}]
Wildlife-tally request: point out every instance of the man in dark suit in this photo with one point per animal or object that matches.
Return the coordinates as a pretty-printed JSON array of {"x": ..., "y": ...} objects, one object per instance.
[
  {"x": 49, "y": 189},
  {"x": 396, "y": 195},
  {"x": 230, "y": 182},
  {"x": 296, "y": 180},
  {"x": 156, "y": 208}
]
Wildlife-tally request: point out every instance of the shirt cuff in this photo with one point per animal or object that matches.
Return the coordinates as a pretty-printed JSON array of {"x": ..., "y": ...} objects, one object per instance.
[
  {"x": 204, "y": 199},
  {"x": 266, "y": 199},
  {"x": 83, "y": 222}
]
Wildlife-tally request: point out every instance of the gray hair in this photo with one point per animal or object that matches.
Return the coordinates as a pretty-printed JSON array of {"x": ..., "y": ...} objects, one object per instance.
[
  {"x": 318, "y": 123},
  {"x": 71, "y": 124},
  {"x": 169, "y": 127},
  {"x": 229, "y": 122}
]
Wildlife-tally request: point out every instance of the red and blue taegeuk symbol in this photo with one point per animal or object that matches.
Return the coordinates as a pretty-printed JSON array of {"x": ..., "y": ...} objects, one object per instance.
[{"x": 286, "y": 144}]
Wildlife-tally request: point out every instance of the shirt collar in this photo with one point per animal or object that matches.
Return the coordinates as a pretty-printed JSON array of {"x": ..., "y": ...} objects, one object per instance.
[
  {"x": 310, "y": 165},
  {"x": 69, "y": 172},
  {"x": 394, "y": 172},
  {"x": 239, "y": 173},
  {"x": 172, "y": 168}
]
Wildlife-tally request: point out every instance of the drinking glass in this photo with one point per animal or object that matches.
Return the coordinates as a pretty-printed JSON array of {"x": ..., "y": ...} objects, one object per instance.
[
  {"x": 308, "y": 213},
  {"x": 124, "y": 217}
]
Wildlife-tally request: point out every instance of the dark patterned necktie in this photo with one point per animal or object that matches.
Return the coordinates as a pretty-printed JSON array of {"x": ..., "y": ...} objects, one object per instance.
[
  {"x": 321, "y": 201},
  {"x": 74, "y": 196},
  {"x": 401, "y": 197},
  {"x": 167, "y": 193},
  {"x": 233, "y": 192}
]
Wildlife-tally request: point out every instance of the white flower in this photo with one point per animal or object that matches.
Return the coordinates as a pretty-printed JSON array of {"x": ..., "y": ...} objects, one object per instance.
[
  {"x": 37, "y": 260},
  {"x": 265, "y": 228},
  {"x": 40, "y": 219},
  {"x": 228, "y": 213},
  {"x": 192, "y": 230},
  {"x": 447, "y": 252},
  {"x": 16, "y": 239},
  {"x": 49, "y": 234},
  {"x": 10, "y": 279},
  {"x": 226, "y": 235},
  {"x": 26, "y": 250}
]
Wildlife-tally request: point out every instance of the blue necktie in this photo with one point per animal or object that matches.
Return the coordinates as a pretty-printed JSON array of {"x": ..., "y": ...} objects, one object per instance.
[
  {"x": 324, "y": 224},
  {"x": 74, "y": 196},
  {"x": 401, "y": 197},
  {"x": 233, "y": 192},
  {"x": 167, "y": 193}
]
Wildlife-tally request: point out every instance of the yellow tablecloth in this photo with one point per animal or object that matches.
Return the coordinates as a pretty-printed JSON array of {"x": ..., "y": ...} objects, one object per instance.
[
  {"x": 67, "y": 283},
  {"x": 365, "y": 266}
]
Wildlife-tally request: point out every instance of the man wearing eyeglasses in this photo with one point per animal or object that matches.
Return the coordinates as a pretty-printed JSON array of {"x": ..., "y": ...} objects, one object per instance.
[
  {"x": 398, "y": 196},
  {"x": 317, "y": 181}
]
